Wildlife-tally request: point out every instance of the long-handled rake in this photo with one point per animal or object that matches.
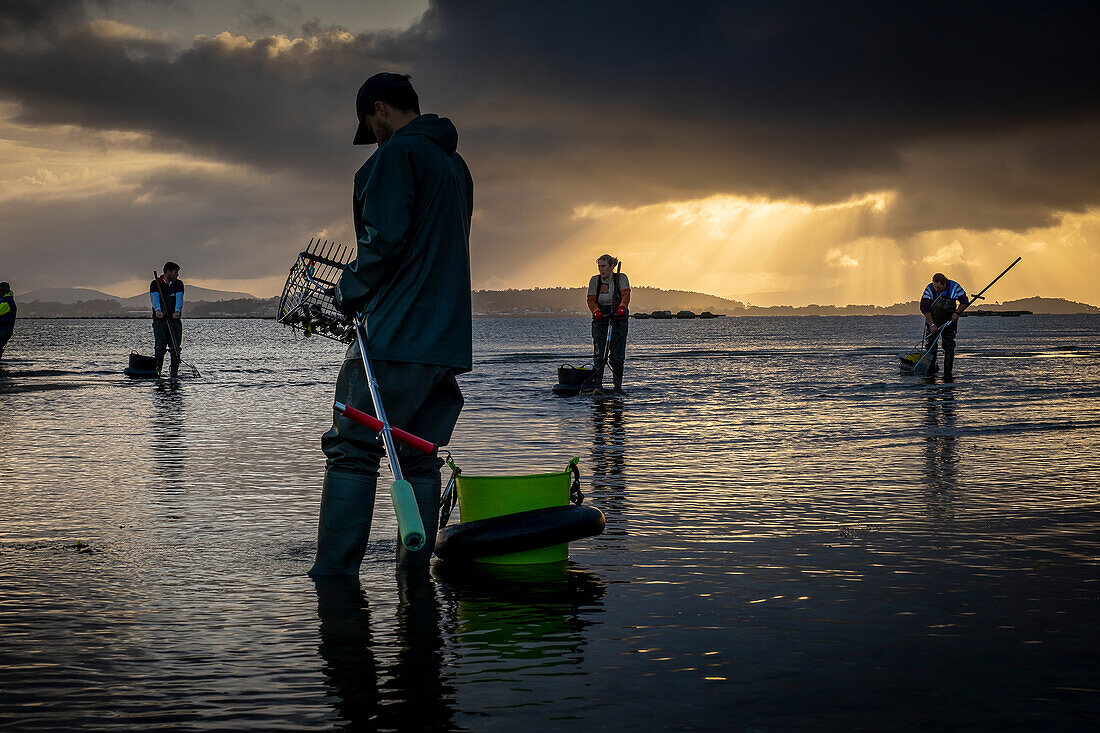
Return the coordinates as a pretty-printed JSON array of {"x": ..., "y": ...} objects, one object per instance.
[
  {"x": 923, "y": 363},
  {"x": 409, "y": 524}
]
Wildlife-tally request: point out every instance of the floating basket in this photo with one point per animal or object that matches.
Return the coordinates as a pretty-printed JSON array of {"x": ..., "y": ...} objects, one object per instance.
[{"x": 308, "y": 301}]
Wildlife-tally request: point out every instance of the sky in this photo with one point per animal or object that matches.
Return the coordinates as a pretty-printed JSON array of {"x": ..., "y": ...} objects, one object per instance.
[{"x": 771, "y": 152}]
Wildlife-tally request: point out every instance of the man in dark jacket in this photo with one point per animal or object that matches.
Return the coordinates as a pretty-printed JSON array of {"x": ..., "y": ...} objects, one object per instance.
[
  {"x": 940, "y": 303},
  {"x": 7, "y": 315},
  {"x": 166, "y": 297},
  {"x": 413, "y": 200}
]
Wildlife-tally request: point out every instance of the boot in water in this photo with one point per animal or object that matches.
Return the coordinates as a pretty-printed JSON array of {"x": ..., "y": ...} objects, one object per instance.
[
  {"x": 347, "y": 507},
  {"x": 617, "y": 378}
]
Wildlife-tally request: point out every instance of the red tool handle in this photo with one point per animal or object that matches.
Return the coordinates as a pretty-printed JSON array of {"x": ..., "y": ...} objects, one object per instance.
[{"x": 375, "y": 424}]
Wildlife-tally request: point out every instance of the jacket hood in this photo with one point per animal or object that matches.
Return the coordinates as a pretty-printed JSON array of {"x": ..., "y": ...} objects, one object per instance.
[{"x": 439, "y": 130}]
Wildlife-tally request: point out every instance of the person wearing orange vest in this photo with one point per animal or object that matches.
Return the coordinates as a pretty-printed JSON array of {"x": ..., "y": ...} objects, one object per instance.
[{"x": 608, "y": 299}]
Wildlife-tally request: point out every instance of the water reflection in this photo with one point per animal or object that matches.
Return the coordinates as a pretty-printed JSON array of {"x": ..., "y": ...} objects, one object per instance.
[
  {"x": 518, "y": 619},
  {"x": 169, "y": 413},
  {"x": 941, "y": 461},
  {"x": 410, "y": 693},
  {"x": 608, "y": 461},
  {"x": 7, "y": 434}
]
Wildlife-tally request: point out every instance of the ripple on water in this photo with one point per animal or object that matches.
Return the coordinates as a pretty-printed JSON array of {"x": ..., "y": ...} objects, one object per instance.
[{"x": 786, "y": 517}]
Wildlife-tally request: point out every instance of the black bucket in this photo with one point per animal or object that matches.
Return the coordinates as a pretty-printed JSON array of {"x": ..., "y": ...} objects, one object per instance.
[
  {"x": 141, "y": 367},
  {"x": 570, "y": 379},
  {"x": 140, "y": 363},
  {"x": 570, "y": 376}
]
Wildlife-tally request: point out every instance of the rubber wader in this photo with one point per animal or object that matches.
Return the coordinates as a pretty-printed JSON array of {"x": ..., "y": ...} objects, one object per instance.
[{"x": 347, "y": 507}]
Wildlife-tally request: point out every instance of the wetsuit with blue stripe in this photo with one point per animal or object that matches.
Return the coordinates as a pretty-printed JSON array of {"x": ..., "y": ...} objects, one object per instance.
[
  {"x": 161, "y": 294},
  {"x": 938, "y": 308}
]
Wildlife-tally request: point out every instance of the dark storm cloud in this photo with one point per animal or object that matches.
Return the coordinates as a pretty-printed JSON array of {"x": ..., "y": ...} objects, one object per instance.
[
  {"x": 220, "y": 227},
  {"x": 808, "y": 99},
  {"x": 980, "y": 114}
]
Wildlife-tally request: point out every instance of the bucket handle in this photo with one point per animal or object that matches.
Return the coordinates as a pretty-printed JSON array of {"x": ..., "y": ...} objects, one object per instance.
[
  {"x": 449, "y": 499},
  {"x": 450, "y": 494},
  {"x": 575, "y": 494}
]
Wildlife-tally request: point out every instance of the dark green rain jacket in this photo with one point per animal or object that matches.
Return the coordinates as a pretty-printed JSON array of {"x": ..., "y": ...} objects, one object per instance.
[{"x": 411, "y": 275}]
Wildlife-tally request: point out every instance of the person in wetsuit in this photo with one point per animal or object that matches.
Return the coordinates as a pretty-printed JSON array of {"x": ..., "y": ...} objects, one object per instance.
[
  {"x": 940, "y": 304},
  {"x": 166, "y": 296},
  {"x": 608, "y": 299}
]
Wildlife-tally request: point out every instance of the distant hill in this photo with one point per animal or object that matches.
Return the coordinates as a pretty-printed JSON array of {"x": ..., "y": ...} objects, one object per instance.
[
  {"x": 1053, "y": 306},
  {"x": 88, "y": 303},
  {"x": 192, "y": 294},
  {"x": 204, "y": 303},
  {"x": 69, "y": 296},
  {"x": 572, "y": 301},
  {"x": 66, "y": 296}
]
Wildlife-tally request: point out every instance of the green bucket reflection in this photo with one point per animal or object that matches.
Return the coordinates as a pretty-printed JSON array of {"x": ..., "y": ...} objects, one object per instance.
[{"x": 507, "y": 615}]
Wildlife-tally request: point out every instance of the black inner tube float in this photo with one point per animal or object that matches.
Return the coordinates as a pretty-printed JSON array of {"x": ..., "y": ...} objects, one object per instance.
[{"x": 519, "y": 532}]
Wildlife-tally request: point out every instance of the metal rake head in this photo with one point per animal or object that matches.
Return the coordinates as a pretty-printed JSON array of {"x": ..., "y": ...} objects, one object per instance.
[{"x": 308, "y": 300}]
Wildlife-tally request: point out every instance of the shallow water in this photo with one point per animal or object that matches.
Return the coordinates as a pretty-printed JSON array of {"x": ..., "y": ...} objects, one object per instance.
[{"x": 797, "y": 536}]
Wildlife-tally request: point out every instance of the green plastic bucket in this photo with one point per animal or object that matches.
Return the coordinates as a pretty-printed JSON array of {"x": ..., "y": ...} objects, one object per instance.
[{"x": 482, "y": 497}]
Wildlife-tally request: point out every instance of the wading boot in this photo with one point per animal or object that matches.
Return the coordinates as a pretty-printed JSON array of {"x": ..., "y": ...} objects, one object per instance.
[
  {"x": 426, "y": 490},
  {"x": 617, "y": 379},
  {"x": 347, "y": 507},
  {"x": 948, "y": 362}
]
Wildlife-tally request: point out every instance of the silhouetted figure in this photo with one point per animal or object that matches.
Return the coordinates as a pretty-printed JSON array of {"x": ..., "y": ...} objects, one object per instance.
[
  {"x": 940, "y": 304},
  {"x": 166, "y": 296},
  {"x": 7, "y": 315},
  {"x": 413, "y": 202},
  {"x": 608, "y": 299}
]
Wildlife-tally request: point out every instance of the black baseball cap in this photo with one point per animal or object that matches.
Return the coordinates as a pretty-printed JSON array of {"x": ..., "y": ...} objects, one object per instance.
[{"x": 393, "y": 89}]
